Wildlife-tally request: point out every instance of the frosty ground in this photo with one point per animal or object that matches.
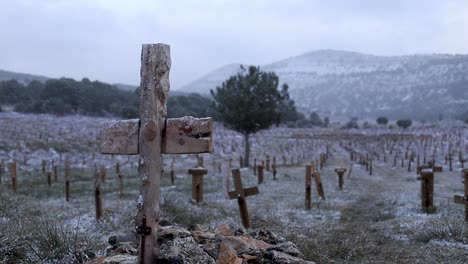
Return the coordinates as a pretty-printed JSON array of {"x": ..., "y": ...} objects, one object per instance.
[{"x": 375, "y": 219}]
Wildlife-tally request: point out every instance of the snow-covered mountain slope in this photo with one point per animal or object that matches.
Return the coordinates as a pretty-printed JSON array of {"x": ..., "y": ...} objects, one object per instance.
[
  {"x": 211, "y": 80},
  {"x": 354, "y": 84}
]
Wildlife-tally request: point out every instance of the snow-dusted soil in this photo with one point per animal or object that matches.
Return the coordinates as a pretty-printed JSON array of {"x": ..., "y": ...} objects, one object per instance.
[{"x": 375, "y": 219}]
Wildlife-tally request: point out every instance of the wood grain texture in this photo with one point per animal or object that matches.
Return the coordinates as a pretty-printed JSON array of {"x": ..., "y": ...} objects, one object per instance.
[
  {"x": 154, "y": 90},
  {"x": 180, "y": 136}
]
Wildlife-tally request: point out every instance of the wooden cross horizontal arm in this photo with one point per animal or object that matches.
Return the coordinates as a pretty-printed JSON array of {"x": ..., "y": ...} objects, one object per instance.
[
  {"x": 197, "y": 171},
  {"x": 460, "y": 199},
  {"x": 247, "y": 192},
  {"x": 185, "y": 135}
]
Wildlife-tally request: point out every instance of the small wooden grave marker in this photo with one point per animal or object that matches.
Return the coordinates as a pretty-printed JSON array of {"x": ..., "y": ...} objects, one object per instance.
[
  {"x": 255, "y": 167},
  {"x": 43, "y": 168},
  {"x": 14, "y": 181},
  {"x": 240, "y": 193},
  {"x": 463, "y": 199},
  {"x": 197, "y": 184},
  {"x": 260, "y": 174},
  {"x": 308, "y": 187},
  {"x": 172, "y": 170},
  {"x": 1, "y": 170},
  {"x": 152, "y": 135},
  {"x": 67, "y": 180},
  {"x": 55, "y": 173},
  {"x": 427, "y": 189},
  {"x": 49, "y": 178},
  {"x": 273, "y": 167},
  {"x": 340, "y": 172},
  {"x": 267, "y": 163},
  {"x": 98, "y": 194}
]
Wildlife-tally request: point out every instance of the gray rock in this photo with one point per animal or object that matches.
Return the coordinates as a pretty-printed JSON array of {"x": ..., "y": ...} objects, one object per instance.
[
  {"x": 166, "y": 233},
  {"x": 121, "y": 259},
  {"x": 288, "y": 248},
  {"x": 278, "y": 257},
  {"x": 266, "y": 235},
  {"x": 118, "y": 239},
  {"x": 183, "y": 250}
]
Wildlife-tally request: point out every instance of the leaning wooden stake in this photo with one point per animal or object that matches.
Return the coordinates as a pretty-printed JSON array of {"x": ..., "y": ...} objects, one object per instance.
[
  {"x": 240, "y": 193},
  {"x": 318, "y": 184},
  {"x": 463, "y": 199}
]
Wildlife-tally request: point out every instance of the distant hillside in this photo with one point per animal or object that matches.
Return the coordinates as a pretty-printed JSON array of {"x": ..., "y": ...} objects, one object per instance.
[
  {"x": 23, "y": 78},
  {"x": 211, "y": 80},
  {"x": 355, "y": 84}
]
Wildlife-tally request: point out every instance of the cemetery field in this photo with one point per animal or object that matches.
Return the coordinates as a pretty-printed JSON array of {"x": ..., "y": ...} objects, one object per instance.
[{"x": 375, "y": 218}]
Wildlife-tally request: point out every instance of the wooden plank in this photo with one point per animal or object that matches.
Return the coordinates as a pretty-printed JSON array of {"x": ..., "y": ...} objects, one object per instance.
[
  {"x": 119, "y": 137},
  {"x": 188, "y": 135},
  {"x": 181, "y": 136}
]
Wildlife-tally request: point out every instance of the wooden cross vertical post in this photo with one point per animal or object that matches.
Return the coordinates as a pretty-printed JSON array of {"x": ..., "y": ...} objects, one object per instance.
[
  {"x": 197, "y": 184},
  {"x": 150, "y": 136},
  {"x": 240, "y": 193},
  {"x": 463, "y": 199}
]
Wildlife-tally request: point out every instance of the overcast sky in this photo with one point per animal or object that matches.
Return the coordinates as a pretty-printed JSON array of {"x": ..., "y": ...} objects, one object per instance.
[{"x": 101, "y": 39}]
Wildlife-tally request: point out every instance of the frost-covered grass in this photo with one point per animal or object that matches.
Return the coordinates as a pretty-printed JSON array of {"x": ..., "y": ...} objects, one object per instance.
[{"x": 375, "y": 219}]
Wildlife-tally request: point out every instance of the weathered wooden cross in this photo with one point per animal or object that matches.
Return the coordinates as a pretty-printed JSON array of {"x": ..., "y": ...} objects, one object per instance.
[
  {"x": 463, "y": 199},
  {"x": 427, "y": 189},
  {"x": 150, "y": 136},
  {"x": 197, "y": 183},
  {"x": 240, "y": 193},
  {"x": 340, "y": 172}
]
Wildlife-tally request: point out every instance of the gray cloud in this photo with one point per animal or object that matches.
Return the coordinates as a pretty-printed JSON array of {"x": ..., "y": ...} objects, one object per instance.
[{"x": 101, "y": 39}]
